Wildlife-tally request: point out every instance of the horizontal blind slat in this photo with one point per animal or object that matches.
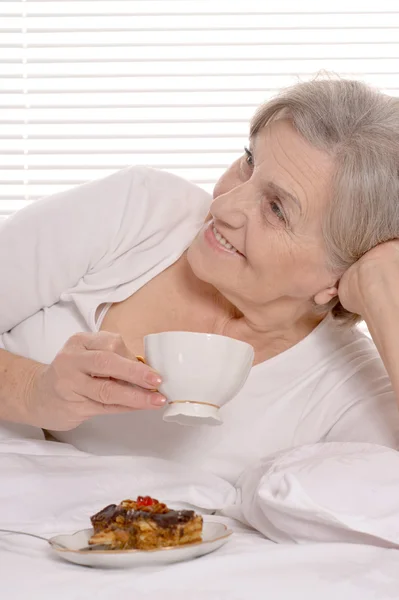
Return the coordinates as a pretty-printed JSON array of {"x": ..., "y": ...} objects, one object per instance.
[
  {"x": 130, "y": 100},
  {"x": 223, "y": 68},
  {"x": 38, "y": 72},
  {"x": 126, "y": 130},
  {"x": 144, "y": 144},
  {"x": 61, "y": 162},
  {"x": 141, "y": 39},
  {"x": 156, "y": 53},
  {"x": 130, "y": 115},
  {"x": 56, "y": 7},
  {"x": 189, "y": 84},
  {"x": 176, "y": 22}
]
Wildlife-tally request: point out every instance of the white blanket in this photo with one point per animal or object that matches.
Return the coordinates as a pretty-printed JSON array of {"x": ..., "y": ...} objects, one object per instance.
[{"x": 49, "y": 488}]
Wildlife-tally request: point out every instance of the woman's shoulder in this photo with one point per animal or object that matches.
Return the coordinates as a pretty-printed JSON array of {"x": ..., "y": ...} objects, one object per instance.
[
  {"x": 354, "y": 397},
  {"x": 151, "y": 212},
  {"x": 126, "y": 202},
  {"x": 348, "y": 340},
  {"x": 331, "y": 356},
  {"x": 351, "y": 360},
  {"x": 342, "y": 348},
  {"x": 171, "y": 195},
  {"x": 157, "y": 206}
]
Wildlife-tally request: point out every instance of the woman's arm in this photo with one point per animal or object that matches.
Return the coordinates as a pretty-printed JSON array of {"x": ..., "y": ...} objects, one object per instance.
[
  {"x": 44, "y": 251},
  {"x": 371, "y": 288},
  {"x": 17, "y": 375},
  {"x": 381, "y": 313}
]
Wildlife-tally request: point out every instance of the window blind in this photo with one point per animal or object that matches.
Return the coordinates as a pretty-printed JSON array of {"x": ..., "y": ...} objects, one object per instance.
[{"x": 89, "y": 86}]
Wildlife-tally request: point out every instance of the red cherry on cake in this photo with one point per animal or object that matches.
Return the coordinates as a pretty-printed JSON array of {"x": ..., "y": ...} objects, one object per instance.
[{"x": 146, "y": 501}]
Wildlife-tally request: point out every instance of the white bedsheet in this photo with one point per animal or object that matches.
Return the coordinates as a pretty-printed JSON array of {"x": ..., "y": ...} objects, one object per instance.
[{"x": 50, "y": 488}]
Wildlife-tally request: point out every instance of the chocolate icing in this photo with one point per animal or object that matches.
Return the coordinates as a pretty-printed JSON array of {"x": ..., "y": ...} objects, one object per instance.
[
  {"x": 106, "y": 513},
  {"x": 107, "y": 516},
  {"x": 168, "y": 519}
]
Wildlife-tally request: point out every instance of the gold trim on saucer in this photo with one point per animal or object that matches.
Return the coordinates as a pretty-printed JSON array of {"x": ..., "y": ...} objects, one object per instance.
[{"x": 193, "y": 402}]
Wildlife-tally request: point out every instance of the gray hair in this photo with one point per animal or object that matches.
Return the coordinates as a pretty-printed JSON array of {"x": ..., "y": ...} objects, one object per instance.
[{"x": 359, "y": 127}]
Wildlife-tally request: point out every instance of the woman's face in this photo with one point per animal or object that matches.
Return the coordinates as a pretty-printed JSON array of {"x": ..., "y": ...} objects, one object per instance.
[{"x": 264, "y": 242}]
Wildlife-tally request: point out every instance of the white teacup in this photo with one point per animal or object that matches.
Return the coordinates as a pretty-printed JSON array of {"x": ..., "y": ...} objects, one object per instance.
[{"x": 201, "y": 372}]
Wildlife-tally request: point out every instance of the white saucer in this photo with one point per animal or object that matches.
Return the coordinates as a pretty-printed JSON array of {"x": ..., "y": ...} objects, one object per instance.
[{"x": 68, "y": 546}]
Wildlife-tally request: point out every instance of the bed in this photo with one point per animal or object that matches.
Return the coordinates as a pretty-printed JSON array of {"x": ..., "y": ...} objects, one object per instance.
[{"x": 48, "y": 488}]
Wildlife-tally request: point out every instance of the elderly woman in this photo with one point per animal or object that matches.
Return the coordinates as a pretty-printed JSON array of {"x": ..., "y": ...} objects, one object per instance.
[{"x": 287, "y": 256}]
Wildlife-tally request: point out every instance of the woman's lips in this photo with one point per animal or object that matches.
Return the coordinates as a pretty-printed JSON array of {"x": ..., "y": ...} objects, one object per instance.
[{"x": 217, "y": 241}]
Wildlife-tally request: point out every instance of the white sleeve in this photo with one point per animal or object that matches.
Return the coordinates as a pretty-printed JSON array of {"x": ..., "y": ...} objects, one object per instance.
[{"x": 48, "y": 247}]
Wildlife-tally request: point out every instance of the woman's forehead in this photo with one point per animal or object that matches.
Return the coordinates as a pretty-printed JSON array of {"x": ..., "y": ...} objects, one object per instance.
[{"x": 284, "y": 157}]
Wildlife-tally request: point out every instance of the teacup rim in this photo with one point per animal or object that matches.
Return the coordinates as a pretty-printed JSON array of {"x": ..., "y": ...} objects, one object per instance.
[{"x": 199, "y": 334}]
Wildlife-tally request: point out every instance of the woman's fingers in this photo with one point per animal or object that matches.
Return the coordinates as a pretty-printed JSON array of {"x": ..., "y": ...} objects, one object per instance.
[
  {"x": 103, "y": 340},
  {"x": 106, "y": 355},
  {"x": 94, "y": 374},
  {"x": 116, "y": 393},
  {"x": 102, "y": 363}
]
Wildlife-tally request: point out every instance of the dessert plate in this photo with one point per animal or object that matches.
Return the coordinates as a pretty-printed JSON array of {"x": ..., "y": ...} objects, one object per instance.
[{"x": 68, "y": 547}]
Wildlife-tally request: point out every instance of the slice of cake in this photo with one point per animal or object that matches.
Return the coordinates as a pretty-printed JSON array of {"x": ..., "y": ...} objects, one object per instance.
[{"x": 144, "y": 524}]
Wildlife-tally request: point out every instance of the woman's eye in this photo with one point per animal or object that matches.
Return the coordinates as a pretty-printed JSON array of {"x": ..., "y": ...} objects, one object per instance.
[
  {"x": 248, "y": 157},
  {"x": 275, "y": 207}
]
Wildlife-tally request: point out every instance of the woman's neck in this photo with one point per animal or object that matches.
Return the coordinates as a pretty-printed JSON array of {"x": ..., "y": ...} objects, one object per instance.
[
  {"x": 272, "y": 340},
  {"x": 271, "y": 329}
]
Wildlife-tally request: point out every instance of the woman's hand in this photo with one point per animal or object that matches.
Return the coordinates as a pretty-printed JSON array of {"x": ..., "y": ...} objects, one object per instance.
[
  {"x": 368, "y": 278},
  {"x": 94, "y": 374}
]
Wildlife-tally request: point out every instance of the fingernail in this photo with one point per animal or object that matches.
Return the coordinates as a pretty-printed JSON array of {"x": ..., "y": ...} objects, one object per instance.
[
  {"x": 158, "y": 400},
  {"x": 153, "y": 379}
]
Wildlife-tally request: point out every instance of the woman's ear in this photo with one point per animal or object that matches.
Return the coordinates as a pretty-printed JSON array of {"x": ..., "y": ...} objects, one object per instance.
[{"x": 326, "y": 295}]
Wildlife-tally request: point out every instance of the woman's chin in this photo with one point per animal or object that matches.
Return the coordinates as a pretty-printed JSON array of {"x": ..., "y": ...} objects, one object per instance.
[
  {"x": 199, "y": 263},
  {"x": 203, "y": 267}
]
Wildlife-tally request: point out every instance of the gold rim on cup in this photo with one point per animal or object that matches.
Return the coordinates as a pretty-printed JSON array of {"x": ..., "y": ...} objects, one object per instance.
[
  {"x": 142, "y": 360},
  {"x": 194, "y": 402}
]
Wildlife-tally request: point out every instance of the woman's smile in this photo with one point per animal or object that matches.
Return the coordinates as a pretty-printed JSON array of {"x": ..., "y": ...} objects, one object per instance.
[{"x": 216, "y": 240}]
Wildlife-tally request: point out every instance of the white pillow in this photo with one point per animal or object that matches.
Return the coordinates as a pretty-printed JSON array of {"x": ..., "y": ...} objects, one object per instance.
[{"x": 332, "y": 492}]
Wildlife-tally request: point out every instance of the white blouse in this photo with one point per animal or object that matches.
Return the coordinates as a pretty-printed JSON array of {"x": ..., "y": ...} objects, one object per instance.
[{"x": 65, "y": 256}]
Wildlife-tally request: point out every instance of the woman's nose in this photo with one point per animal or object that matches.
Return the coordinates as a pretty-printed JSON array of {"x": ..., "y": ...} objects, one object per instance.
[{"x": 233, "y": 207}]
